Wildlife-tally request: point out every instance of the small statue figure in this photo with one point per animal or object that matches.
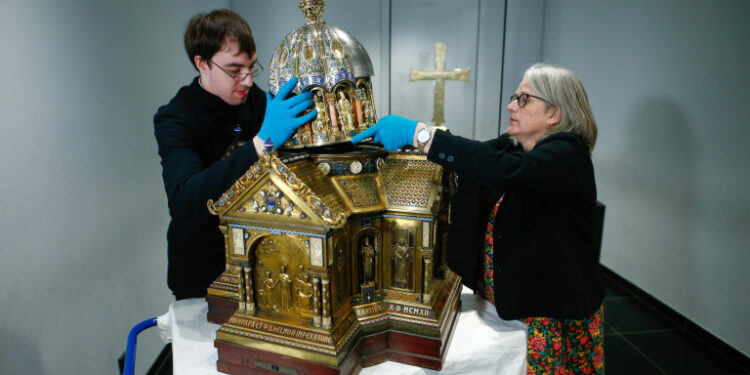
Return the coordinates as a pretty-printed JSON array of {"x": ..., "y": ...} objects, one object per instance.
[
  {"x": 321, "y": 120},
  {"x": 345, "y": 110},
  {"x": 403, "y": 256},
  {"x": 286, "y": 289},
  {"x": 369, "y": 254},
  {"x": 359, "y": 114},
  {"x": 369, "y": 115}
]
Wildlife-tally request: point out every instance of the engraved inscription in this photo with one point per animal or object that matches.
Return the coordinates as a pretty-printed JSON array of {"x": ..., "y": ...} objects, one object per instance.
[
  {"x": 280, "y": 330},
  {"x": 370, "y": 310},
  {"x": 410, "y": 310}
]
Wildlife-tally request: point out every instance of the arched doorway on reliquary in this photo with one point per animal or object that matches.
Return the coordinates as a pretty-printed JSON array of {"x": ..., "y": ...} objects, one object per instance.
[{"x": 282, "y": 285}]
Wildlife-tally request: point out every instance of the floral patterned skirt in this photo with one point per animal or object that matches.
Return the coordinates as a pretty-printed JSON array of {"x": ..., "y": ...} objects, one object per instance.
[
  {"x": 565, "y": 346},
  {"x": 555, "y": 346},
  {"x": 485, "y": 285}
]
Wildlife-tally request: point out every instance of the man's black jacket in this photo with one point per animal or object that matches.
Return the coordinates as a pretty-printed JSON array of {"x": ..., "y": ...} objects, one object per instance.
[
  {"x": 545, "y": 236},
  {"x": 193, "y": 131}
]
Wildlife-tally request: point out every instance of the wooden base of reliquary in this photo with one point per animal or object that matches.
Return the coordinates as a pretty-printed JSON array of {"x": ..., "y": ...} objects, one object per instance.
[{"x": 387, "y": 335}]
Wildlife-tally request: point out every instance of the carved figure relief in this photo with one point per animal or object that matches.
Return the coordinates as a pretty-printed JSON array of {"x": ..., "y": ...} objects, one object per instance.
[
  {"x": 320, "y": 123},
  {"x": 369, "y": 251},
  {"x": 280, "y": 282},
  {"x": 303, "y": 292},
  {"x": 286, "y": 290},
  {"x": 366, "y": 101},
  {"x": 369, "y": 113},
  {"x": 266, "y": 294},
  {"x": 401, "y": 260}
]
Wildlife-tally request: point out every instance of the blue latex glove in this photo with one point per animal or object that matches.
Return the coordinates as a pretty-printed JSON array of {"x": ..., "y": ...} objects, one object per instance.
[
  {"x": 392, "y": 131},
  {"x": 281, "y": 118}
]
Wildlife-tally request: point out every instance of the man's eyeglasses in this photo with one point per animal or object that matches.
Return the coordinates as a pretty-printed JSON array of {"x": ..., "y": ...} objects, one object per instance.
[
  {"x": 240, "y": 76},
  {"x": 524, "y": 98}
]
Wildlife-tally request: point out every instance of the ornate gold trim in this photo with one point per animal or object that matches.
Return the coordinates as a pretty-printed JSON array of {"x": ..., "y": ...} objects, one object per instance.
[{"x": 271, "y": 168}]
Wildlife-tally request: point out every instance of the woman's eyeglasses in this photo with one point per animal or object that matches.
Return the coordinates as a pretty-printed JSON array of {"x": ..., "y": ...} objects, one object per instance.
[{"x": 524, "y": 98}]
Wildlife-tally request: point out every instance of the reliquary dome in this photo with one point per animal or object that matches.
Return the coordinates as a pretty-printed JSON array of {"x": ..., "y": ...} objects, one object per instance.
[{"x": 335, "y": 67}]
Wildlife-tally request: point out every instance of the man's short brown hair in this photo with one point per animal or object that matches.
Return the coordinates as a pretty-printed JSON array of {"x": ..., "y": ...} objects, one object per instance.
[{"x": 206, "y": 33}]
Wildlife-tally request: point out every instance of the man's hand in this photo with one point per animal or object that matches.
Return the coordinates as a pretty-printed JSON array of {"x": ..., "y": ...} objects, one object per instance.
[{"x": 282, "y": 115}]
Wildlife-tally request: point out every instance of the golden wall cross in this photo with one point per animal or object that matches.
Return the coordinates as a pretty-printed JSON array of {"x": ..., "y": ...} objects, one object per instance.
[{"x": 439, "y": 75}]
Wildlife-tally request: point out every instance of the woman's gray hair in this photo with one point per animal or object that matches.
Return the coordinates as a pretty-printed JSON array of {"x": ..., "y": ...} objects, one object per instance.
[{"x": 561, "y": 88}]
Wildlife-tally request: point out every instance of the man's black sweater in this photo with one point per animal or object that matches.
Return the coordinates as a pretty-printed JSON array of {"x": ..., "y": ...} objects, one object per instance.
[{"x": 193, "y": 131}]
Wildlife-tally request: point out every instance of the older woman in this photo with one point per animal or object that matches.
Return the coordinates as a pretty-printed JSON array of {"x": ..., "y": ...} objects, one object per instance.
[{"x": 523, "y": 230}]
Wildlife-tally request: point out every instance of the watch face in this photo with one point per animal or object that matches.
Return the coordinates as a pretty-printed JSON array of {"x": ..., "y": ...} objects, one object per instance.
[{"x": 423, "y": 135}]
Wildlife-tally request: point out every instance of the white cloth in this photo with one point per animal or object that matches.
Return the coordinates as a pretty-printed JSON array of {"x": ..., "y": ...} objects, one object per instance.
[
  {"x": 192, "y": 337},
  {"x": 482, "y": 343}
]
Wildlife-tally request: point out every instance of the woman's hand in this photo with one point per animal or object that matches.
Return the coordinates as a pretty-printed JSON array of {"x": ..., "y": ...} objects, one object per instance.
[{"x": 392, "y": 131}]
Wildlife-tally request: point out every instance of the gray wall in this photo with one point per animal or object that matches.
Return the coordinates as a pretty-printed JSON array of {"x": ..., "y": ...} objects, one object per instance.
[
  {"x": 83, "y": 212},
  {"x": 523, "y": 47},
  {"x": 668, "y": 84}
]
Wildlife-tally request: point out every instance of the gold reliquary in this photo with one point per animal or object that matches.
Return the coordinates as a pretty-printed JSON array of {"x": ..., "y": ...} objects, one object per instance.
[
  {"x": 335, "y": 255},
  {"x": 334, "y": 261}
]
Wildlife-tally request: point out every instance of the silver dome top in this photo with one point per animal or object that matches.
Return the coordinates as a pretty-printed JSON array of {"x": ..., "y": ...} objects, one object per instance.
[{"x": 318, "y": 54}]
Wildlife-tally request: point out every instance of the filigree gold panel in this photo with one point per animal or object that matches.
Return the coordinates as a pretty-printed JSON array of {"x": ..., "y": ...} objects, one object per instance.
[
  {"x": 409, "y": 183},
  {"x": 361, "y": 193}
]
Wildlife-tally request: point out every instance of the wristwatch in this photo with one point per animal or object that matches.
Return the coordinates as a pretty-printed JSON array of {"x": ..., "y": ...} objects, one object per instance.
[{"x": 423, "y": 136}]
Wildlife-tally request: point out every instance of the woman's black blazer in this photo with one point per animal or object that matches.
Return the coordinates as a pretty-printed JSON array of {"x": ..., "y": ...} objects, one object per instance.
[{"x": 546, "y": 231}]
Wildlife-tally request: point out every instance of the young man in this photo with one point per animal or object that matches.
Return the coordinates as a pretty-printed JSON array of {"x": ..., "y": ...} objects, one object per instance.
[{"x": 201, "y": 134}]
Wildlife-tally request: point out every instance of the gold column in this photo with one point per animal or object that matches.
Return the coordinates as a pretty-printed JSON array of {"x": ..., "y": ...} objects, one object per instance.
[
  {"x": 227, "y": 261},
  {"x": 427, "y": 255},
  {"x": 326, "y": 303},
  {"x": 427, "y": 277},
  {"x": 316, "y": 302},
  {"x": 249, "y": 300}
]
